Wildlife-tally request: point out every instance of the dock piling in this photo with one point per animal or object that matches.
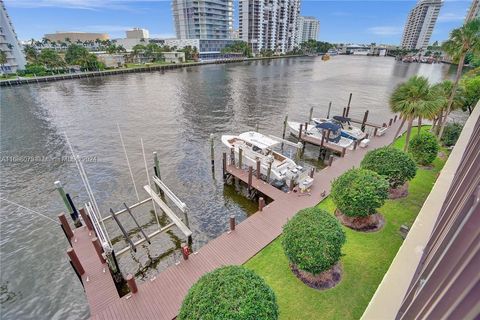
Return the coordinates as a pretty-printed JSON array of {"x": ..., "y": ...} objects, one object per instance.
[
  {"x": 232, "y": 223},
  {"x": 330, "y": 160},
  {"x": 269, "y": 171},
  {"x": 74, "y": 214},
  {"x": 300, "y": 132},
  {"x": 65, "y": 226},
  {"x": 156, "y": 169},
  {"x": 344, "y": 112},
  {"x": 86, "y": 219},
  {"x": 292, "y": 185},
  {"x": 75, "y": 261},
  {"x": 132, "y": 285},
  {"x": 98, "y": 249},
  {"x": 365, "y": 117},
  {"x": 348, "y": 105},
  {"x": 312, "y": 172},
  {"x": 344, "y": 150},
  {"x": 224, "y": 165},
  {"x": 250, "y": 176},
  {"x": 185, "y": 251},
  {"x": 329, "y": 108},
  {"x": 285, "y": 126},
  {"x": 311, "y": 114},
  {"x": 375, "y": 131},
  {"x": 232, "y": 156},
  {"x": 212, "y": 152},
  {"x": 258, "y": 169},
  {"x": 261, "y": 204},
  {"x": 390, "y": 122},
  {"x": 59, "y": 187},
  {"x": 395, "y": 118},
  {"x": 256, "y": 127},
  {"x": 355, "y": 143},
  {"x": 240, "y": 155}
]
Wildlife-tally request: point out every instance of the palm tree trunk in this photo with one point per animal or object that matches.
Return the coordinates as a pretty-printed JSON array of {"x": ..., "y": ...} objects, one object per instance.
[
  {"x": 407, "y": 137},
  {"x": 419, "y": 124},
  {"x": 399, "y": 129},
  {"x": 435, "y": 120},
  {"x": 461, "y": 62}
]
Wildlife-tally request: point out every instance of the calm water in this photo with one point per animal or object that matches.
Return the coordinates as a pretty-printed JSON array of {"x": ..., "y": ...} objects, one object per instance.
[{"x": 174, "y": 113}]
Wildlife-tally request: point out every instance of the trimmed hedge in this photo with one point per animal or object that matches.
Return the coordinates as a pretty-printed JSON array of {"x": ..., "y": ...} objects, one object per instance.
[
  {"x": 451, "y": 134},
  {"x": 424, "y": 148},
  {"x": 392, "y": 163},
  {"x": 313, "y": 240},
  {"x": 231, "y": 292},
  {"x": 359, "y": 192}
]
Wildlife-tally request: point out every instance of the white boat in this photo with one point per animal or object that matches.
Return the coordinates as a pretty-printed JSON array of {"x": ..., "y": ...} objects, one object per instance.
[
  {"x": 316, "y": 131},
  {"x": 255, "y": 146},
  {"x": 348, "y": 130}
]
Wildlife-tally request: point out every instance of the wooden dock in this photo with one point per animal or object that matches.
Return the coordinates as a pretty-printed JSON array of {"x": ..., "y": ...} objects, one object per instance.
[{"x": 162, "y": 296}]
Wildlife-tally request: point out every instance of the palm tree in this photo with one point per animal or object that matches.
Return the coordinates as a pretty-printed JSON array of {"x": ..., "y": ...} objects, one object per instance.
[
  {"x": 412, "y": 99},
  {"x": 463, "y": 41},
  {"x": 444, "y": 89}
]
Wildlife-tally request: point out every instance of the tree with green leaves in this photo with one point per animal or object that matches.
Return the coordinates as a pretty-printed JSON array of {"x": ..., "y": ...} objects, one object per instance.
[
  {"x": 462, "y": 41},
  {"x": 443, "y": 89},
  {"x": 191, "y": 53},
  {"x": 238, "y": 47},
  {"x": 31, "y": 53},
  {"x": 470, "y": 87},
  {"x": 50, "y": 59},
  {"x": 413, "y": 99},
  {"x": 75, "y": 53},
  {"x": 424, "y": 148}
]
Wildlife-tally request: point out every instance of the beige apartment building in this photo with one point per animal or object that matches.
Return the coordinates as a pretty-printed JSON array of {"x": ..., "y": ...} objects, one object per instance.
[
  {"x": 76, "y": 36},
  {"x": 420, "y": 23}
]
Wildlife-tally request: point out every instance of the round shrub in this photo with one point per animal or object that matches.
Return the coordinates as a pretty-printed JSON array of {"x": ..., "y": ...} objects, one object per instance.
[
  {"x": 359, "y": 192},
  {"x": 395, "y": 165},
  {"x": 231, "y": 292},
  {"x": 312, "y": 240},
  {"x": 451, "y": 134},
  {"x": 424, "y": 148}
]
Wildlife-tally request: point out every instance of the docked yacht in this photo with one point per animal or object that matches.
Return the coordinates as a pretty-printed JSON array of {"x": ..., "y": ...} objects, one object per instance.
[
  {"x": 317, "y": 130},
  {"x": 255, "y": 146},
  {"x": 348, "y": 130}
]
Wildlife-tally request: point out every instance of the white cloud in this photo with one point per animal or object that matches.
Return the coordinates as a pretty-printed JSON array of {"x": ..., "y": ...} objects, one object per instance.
[
  {"x": 450, "y": 16},
  {"x": 385, "y": 30}
]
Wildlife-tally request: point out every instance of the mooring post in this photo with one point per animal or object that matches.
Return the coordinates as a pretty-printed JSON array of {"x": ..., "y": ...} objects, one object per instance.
[
  {"x": 224, "y": 165},
  {"x": 256, "y": 127},
  {"x": 355, "y": 143},
  {"x": 344, "y": 150},
  {"x": 344, "y": 112},
  {"x": 132, "y": 285},
  {"x": 156, "y": 169},
  {"x": 365, "y": 117},
  {"x": 329, "y": 107},
  {"x": 390, "y": 122},
  {"x": 74, "y": 214},
  {"x": 98, "y": 249},
  {"x": 375, "y": 131},
  {"x": 232, "y": 222},
  {"x": 86, "y": 219},
  {"x": 232, "y": 156},
  {"x": 212, "y": 152},
  {"x": 269, "y": 171},
  {"x": 306, "y": 126},
  {"x": 330, "y": 160},
  {"x": 395, "y": 118},
  {"x": 240, "y": 155},
  {"x": 285, "y": 126},
  {"x": 366, "y": 136},
  {"x": 310, "y": 117},
  {"x": 185, "y": 251},
  {"x": 348, "y": 105},
  {"x": 261, "y": 204},
  {"x": 258, "y": 169},
  {"x": 74, "y": 259},
  {"x": 312, "y": 172},
  {"x": 300, "y": 132},
  {"x": 65, "y": 226},
  {"x": 292, "y": 185},
  {"x": 250, "y": 176},
  {"x": 59, "y": 187}
]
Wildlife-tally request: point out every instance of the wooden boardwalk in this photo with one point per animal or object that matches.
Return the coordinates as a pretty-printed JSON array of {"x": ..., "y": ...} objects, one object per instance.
[{"x": 161, "y": 297}]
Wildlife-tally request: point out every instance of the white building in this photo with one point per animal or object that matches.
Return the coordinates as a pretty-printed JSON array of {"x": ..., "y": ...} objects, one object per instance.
[
  {"x": 134, "y": 37},
  {"x": 208, "y": 49},
  {"x": 195, "y": 19},
  {"x": 112, "y": 60},
  {"x": 137, "y": 33},
  {"x": 269, "y": 24},
  {"x": 307, "y": 29},
  {"x": 9, "y": 44},
  {"x": 174, "y": 57},
  {"x": 420, "y": 24}
]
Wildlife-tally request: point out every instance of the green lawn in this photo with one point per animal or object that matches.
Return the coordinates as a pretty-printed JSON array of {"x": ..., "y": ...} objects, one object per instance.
[{"x": 367, "y": 257}]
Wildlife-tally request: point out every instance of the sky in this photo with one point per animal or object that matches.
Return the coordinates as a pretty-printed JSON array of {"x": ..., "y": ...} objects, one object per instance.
[{"x": 341, "y": 21}]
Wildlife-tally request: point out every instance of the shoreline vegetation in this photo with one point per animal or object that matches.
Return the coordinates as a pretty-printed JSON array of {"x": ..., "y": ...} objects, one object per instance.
[
  {"x": 132, "y": 68},
  {"x": 366, "y": 256}
]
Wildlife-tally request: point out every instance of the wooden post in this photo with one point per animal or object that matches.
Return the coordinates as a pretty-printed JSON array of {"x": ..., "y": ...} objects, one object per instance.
[
  {"x": 132, "y": 285},
  {"x": 366, "y": 136},
  {"x": 224, "y": 165},
  {"x": 185, "y": 251},
  {"x": 343, "y": 152},
  {"x": 375, "y": 131},
  {"x": 65, "y": 226},
  {"x": 395, "y": 118},
  {"x": 86, "y": 219},
  {"x": 312, "y": 171},
  {"x": 59, "y": 187},
  {"x": 284, "y": 126},
  {"x": 212, "y": 151},
  {"x": 261, "y": 204},
  {"x": 329, "y": 107},
  {"x": 344, "y": 112},
  {"x": 232, "y": 223},
  {"x": 311, "y": 114},
  {"x": 156, "y": 168},
  {"x": 365, "y": 117},
  {"x": 328, "y": 135},
  {"x": 258, "y": 169},
  {"x": 269, "y": 171},
  {"x": 306, "y": 126},
  {"x": 390, "y": 122},
  {"x": 292, "y": 185},
  {"x": 300, "y": 132},
  {"x": 256, "y": 127},
  {"x": 348, "y": 105},
  {"x": 98, "y": 249},
  {"x": 232, "y": 156},
  {"x": 355, "y": 143},
  {"x": 76, "y": 263},
  {"x": 250, "y": 175},
  {"x": 330, "y": 160},
  {"x": 240, "y": 156}
]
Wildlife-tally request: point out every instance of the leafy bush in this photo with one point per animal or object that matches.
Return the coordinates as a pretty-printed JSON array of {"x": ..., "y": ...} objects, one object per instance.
[
  {"x": 451, "y": 134},
  {"x": 359, "y": 192},
  {"x": 397, "y": 166},
  {"x": 33, "y": 69},
  {"x": 424, "y": 148},
  {"x": 231, "y": 292},
  {"x": 312, "y": 240}
]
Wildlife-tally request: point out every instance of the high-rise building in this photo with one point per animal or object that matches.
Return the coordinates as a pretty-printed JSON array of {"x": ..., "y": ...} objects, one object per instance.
[
  {"x": 269, "y": 24},
  {"x": 9, "y": 44},
  {"x": 420, "y": 24},
  {"x": 474, "y": 12},
  {"x": 307, "y": 29},
  {"x": 196, "y": 19}
]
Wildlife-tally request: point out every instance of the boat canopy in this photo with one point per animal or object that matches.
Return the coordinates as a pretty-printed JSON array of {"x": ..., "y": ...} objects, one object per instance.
[
  {"x": 328, "y": 126},
  {"x": 341, "y": 119},
  {"x": 258, "y": 139}
]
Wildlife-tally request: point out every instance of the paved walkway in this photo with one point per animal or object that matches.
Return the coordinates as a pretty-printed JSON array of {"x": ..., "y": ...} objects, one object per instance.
[{"x": 161, "y": 298}]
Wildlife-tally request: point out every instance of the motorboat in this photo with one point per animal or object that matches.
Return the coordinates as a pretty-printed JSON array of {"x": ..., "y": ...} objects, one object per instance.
[
  {"x": 255, "y": 146},
  {"x": 348, "y": 130},
  {"x": 318, "y": 129}
]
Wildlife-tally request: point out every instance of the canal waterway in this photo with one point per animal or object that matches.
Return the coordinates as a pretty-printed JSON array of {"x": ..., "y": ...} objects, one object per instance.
[{"x": 174, "y": 112}]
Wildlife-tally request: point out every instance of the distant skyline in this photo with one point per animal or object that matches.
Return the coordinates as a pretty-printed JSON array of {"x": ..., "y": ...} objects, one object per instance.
[{"x": 340, "y": 21}]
